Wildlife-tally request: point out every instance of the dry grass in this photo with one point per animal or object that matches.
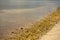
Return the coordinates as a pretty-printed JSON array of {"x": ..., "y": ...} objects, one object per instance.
[{"x": 37, "y": 30}]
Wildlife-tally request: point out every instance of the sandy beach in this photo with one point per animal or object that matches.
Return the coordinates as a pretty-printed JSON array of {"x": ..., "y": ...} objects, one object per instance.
[{"x": 53, "y": 34}]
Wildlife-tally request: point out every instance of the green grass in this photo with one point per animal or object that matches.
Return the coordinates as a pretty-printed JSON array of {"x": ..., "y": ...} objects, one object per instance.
[{"x": 37, "y": 30}]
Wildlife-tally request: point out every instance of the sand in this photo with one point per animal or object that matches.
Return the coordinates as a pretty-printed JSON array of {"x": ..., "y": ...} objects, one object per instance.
[{"x": 54, "y": 34}]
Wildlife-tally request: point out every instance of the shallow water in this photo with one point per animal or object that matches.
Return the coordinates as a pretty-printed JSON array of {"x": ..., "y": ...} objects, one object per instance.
[
  {"x": 12, "y": 19},
  {"x": 13, "y": 16}
]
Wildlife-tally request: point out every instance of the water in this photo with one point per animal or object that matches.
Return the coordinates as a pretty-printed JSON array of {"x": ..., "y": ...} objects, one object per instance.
[
  {"x": 18, "y": 13},
  {"x": 18, "y": 4}
]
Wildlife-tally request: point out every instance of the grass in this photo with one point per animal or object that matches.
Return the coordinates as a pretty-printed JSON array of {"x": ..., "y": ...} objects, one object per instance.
[{"x": 37, "y": 30}]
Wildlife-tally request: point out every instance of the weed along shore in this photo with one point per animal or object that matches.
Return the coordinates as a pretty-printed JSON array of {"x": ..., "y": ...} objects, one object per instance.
[{"x": 38, "y": 29}]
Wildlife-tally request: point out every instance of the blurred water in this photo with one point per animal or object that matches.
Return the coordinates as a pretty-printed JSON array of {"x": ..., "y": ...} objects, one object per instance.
[
  {"x": 22, "y": 12},
  {"x": 21, "y": 4}
]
